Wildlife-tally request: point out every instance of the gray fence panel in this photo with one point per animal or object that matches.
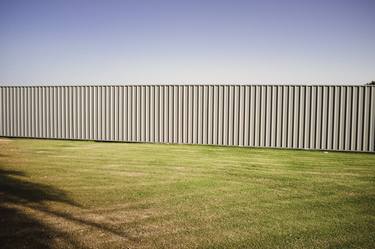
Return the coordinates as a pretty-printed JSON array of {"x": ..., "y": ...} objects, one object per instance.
[
  {"x": 301, "y": 117},
  {"x": 1, "y": 111}
]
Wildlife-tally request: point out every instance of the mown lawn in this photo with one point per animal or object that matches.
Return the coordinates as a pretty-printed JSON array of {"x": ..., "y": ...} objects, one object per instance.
[{"x": 74, "y": 194}]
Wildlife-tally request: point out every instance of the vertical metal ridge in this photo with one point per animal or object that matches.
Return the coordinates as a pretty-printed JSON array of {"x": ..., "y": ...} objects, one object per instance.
[
  {"x": 220, "y": 109},
  {"x": 372, "y": 120},
  {"x": 280, "y": 115},
  {"x": 2, "y": 111}
]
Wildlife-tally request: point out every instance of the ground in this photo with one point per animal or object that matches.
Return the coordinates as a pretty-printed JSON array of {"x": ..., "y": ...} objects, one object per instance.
[{"x": 77, "y": 194}]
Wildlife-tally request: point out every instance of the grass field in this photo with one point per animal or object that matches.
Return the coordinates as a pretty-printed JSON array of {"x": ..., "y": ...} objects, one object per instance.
[{"x": 74, "y": 194}]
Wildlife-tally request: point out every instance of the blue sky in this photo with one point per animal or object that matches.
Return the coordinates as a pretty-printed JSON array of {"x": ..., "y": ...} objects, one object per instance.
[{"x": 174, "y": 42}]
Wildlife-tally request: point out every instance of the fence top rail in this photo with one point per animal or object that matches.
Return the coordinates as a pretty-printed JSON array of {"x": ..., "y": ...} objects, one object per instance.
[{"x": 118, "y": 85}]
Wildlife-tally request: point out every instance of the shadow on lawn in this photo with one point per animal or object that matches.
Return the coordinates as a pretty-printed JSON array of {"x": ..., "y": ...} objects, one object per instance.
[{"x": 20, "y": 229}]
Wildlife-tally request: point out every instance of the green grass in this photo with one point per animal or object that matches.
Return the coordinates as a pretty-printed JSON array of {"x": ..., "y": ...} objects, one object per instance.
[{"x": 71, "y": 194}]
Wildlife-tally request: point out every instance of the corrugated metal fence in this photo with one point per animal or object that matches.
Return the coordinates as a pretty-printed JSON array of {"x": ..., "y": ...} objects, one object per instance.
[{"x": 310, "y": 117}]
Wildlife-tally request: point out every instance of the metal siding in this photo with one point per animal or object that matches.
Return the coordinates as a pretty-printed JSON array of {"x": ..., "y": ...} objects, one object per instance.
[
  {"x": 63, "y": 112},
  {"x": 336, "y": 123},
  {"x": 291, "y": 121},
  {"x": 274, "y": 117},
  {"x": 231, "y": 115},
  {"x": 22, "y": 124},
  {"x": 348, "y": 111},
  {"x": 46, "y": 112},
  {"x": 88, "y": 113},
  {"x": 6, "y": 111},
  {"x": 295, "y": 116},
  {"x": 35, "y": 115},
  {"x": 93, "y": 113},
  {"x": 220, "y": 105},
  {"x": 306, "y": 128},
  {"x": 26, "y": 112},
  {"x": 360, "y": 119},
  {"x": 206, "y": 97},
  {"x": 279, "y": 116},
  {"x": 70, "y": 113},
  {"x": 284, "y": 137},
  {"x": 160, "y": 114},
  {"x": 330, "y": 116},
  {"x": 57, "y": 105},
  {"x": 76, "y": 113},
  {"x": 164, "y": 114},
  {"x": 198, "y": 114},
  {"x": 341, "y": 122},
  {"x": 109, "y": 113},
  {"x": 155, "y": 114},
  {"x": 100, "y": 111},
  {"x": 127, "y": 114},
  {"x": 235, "y": 102},
  {"x": 2, "y": 112},
  {"x": 267, "y": 123},
  {"x": 256, "y": 115},
  {"x": 15, "y": 111},
  {"x": 133, "y": 117},
  {"x": 372, "y": 120},
  {"x": 19, "y": 112},
  {"x": 302, "y": 113},
  {"x": 366, "y": 103},
  {"x": 262, "y": 115},
  {"x": 56, "y": 108},
  {"x": 84, "y": 113},
  {"x": 171, "y": 117},
  {"x": 354, "y": 119},
  {"x": 316, "y": 117},
  {"x": 11, "y": 111},
  {"x": 184, "y": 114},
  {"x": 242, "y": 92},
  {"x": 39, "y": 124}
]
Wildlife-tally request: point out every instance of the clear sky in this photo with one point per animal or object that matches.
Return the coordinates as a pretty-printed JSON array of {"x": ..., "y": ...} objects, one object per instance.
[{"x": 143, "y": 42}]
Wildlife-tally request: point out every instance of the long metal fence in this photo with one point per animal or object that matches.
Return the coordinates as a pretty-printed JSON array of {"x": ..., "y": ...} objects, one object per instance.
[{"x": 283, "y": 116}]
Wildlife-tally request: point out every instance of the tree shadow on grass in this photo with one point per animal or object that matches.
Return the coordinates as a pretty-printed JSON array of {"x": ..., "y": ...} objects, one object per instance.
[
  {"x": 16, "y": 190},
  {"x": 19, "y": 198},
  {"x": 19, "y": 229}
]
